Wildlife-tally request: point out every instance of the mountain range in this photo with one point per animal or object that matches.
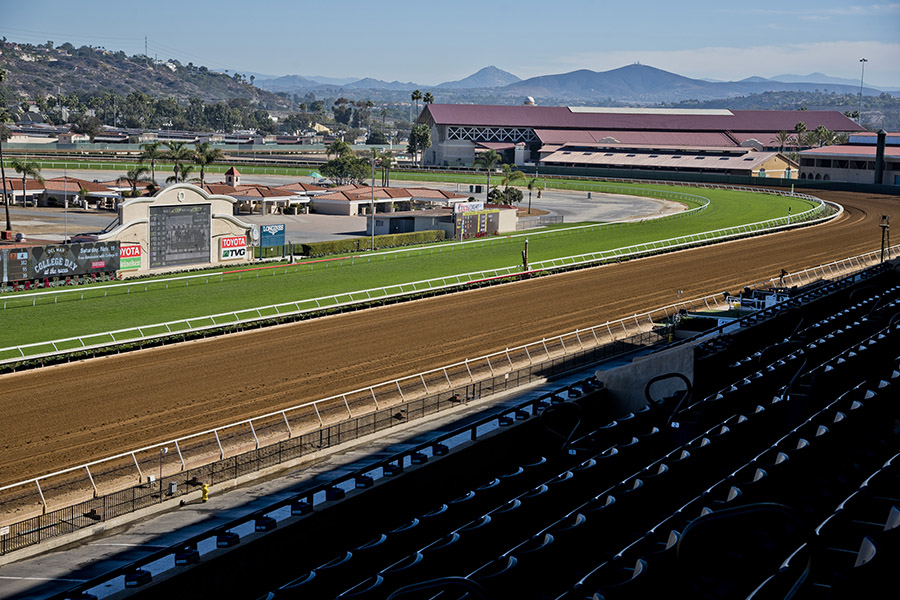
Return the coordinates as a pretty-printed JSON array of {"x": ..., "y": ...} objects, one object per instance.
[{"x": 635, "y": 83}]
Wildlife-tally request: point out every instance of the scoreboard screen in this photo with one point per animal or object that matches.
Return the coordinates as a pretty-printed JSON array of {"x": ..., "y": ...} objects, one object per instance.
[{"x": 179, "y": 235}]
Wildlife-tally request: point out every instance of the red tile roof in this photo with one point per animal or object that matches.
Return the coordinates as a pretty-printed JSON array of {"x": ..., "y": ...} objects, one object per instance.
[
  {"x": 232, "y": 171},
  {"x": 71, "y": 184},
  {"x": 15, "y": 183},
  {"x": 561, "y": 117}
]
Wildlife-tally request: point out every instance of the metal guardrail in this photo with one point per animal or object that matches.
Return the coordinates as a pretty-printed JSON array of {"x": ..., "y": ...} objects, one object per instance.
[{"x": 155, "y": 331}]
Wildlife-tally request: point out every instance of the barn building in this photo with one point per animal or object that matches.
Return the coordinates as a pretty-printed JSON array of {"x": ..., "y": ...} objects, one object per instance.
[{"x": 520, "y": 133}]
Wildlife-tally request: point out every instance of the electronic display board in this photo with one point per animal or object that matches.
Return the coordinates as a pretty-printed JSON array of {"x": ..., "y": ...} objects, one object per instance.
[
  {"x": 179, "y": 235},
  {"x": 63, "y": 260}
]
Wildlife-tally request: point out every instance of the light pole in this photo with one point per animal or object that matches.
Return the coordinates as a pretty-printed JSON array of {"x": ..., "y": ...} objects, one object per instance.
[
  {"x": 861, "y": 75},
  {"x": 162, "y": 452},
  {"x": 372, "y": 208}
]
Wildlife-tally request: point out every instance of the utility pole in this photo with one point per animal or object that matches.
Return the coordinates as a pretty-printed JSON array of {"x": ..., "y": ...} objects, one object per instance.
[{"x": 861, "y": 75}]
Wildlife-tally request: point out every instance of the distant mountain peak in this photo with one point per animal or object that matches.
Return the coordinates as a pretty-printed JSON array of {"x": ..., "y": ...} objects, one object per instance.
[{"x": 487, "y": 77}]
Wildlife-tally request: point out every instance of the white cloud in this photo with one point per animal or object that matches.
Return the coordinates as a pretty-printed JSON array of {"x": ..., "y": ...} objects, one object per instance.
[{"x": 834, "y": 58}]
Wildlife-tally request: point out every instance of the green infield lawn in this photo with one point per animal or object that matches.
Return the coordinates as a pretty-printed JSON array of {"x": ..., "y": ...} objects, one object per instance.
[{"x": 69, "y": 316}]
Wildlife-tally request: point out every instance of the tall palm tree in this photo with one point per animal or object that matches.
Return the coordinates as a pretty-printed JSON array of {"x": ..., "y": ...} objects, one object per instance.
[
  {"x": 152, "y": 153},
  {"x": 784, "y": 139},
  {"x": 178, "y": 152},
  {"x": 416, "y": 96},
  {"x": 4, "y": 133},
  {"x": 27, "y": 168},
  {"x": 487, "y": 161},
  {"x": 532, "y": 185},
  {"x": 136, "y": 175},
  {"x": 799, "y": 128},
  {"x": 205, "y": 155},
  {"x": 428, "y": 98},
  {"x": 387, "y": 163}
]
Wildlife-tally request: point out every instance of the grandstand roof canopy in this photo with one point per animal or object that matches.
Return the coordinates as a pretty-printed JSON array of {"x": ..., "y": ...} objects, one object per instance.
[{"x": 563, "y": 117}]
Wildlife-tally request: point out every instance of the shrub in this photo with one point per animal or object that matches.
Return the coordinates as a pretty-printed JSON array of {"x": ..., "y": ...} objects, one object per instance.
[{"x": 350, "y": 245}]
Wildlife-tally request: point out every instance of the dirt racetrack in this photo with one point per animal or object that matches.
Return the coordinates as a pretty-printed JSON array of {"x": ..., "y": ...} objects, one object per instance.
[{"x": 67, "y": 415}]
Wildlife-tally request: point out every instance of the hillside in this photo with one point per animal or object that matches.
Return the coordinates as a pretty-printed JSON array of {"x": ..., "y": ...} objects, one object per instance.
[
  {"x": 488, "y": 77},
  {"x": 44, "y": 70},
  {"x": 882, "y": 111},
  {"x": 644, "y": 84}
]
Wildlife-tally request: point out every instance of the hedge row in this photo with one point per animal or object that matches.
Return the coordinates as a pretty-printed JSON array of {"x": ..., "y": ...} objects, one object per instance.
[{"x": 350, "y": 245}]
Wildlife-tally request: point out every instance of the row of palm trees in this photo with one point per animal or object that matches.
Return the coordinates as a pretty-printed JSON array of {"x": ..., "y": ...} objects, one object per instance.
[
  {"x": 426, "y": 98},
  {"x": 820, "y": 136},
  {"x": 185, "y": 159}
]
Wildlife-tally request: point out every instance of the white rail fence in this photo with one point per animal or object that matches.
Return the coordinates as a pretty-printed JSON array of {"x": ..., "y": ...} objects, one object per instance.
[
  {"x": 123, "y": 470},
  {"x": 146, "y": 333}
]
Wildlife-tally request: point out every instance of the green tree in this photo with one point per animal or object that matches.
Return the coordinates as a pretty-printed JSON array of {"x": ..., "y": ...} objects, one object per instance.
[
  {"x": 784, "y": 138},
  {"x": 428, "y": 98},
  {"x": 4, "y": 135},
  {"x": 27, "y": 168},
  {"x": 205, "y": 155},
  {"x": 152, "y": 153},
  {"x": 346, "y": 169},
  {"x": 532, "y": 185},
  {"x": 487, "y": 161},
  {"x": 89, "y": 126},
  {"x": 136, "y": 175},
  {"x": 799, "y": 129},
  {"x": 387, "y": 163},
  {"x": 416, "y": 96},
  {"x": 338, "y": 148},
  {"x": 419, "y": 140},
  {"x": 180, "y": 175},
  {"x": 510, "y": 176},
  {"x": 178, "y": 152}
]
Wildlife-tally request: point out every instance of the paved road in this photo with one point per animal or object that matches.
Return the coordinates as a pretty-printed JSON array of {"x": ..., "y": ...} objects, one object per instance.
[{"x": 50, "y": 223}]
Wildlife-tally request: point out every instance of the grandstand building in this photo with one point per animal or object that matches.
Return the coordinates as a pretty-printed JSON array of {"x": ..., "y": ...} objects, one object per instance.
[
  {"x": 519, "y": 133},
  {"x": 857, "y": 161}
]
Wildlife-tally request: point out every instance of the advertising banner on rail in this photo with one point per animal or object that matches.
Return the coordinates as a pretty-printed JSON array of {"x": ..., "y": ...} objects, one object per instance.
[
  {"x": 461, "y": 207},
  {"x": 232, "y": 248},
  {"x": 130, "y": 257},
  {"x": 63, "y": 260},
  {"x": 272, "y": 235}
]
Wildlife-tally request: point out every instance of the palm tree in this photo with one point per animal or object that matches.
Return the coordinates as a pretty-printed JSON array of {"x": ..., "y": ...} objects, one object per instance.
[
  {"x": 28, "y": 168},
  {"x": 181, "y": 174},
  {"x": 338, "y": 148},
  {"x": 416, "y": 96},
  {"x": 178, "y": 152},
  {"x": 510, "y": 176},
  {"x": 487, "y": 161},
  {"x": 136, "y": 175},
  {"x": 532, "y": 185},
  {"x": 205, "y": 155},
  {"x": 799, "y": 128},
  {"x": 4, "y": 133},
  {"x": 428, "y": 98},
  {"x": 387, "y": 163},
  {"x": 152, "y": 153},
  {"x": 784, "y": 139}
]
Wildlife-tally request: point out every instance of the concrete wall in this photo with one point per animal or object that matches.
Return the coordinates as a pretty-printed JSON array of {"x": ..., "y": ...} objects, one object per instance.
[
  {"x": 134, "y": 221},
  {"x": 626, "y": 383}
]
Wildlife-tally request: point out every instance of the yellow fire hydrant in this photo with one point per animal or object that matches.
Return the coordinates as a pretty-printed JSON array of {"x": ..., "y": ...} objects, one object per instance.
[{"x": 204, "y": 492}]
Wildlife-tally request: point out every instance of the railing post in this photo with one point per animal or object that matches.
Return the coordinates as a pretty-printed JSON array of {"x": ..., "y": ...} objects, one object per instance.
[
  {"x": 253, "y": 431},
  {"x": 347, "y": 405},
  {"x": 91, "y": 477},
  {"x": 180, "y": 456},
  {"x": 140, "y": 474},
  {"x": 288, "y": 425},
  {"x": 219, "y": 442}
]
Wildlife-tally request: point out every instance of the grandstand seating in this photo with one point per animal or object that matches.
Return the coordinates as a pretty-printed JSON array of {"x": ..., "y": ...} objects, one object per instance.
[{"x": 777, "y": 475}]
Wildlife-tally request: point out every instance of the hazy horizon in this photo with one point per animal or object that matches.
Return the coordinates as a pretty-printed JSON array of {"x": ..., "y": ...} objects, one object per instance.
[{"x": 429, "y": 45}]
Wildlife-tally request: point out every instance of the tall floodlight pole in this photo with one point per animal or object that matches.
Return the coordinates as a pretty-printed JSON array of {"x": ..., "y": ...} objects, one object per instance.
[
  {"x": 861, "y": 75},
  {"x": 372, "y": 209}
]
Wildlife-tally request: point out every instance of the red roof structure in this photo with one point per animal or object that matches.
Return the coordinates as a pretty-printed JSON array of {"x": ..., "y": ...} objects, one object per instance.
[{"x": 563, "y": 117}]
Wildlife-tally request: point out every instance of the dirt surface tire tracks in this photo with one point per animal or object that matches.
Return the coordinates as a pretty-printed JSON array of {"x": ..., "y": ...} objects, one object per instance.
[{"x": 67, "y": 415}]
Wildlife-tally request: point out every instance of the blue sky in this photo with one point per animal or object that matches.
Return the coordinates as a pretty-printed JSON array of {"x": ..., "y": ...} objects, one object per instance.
[{"x": 431, "y": 42}]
